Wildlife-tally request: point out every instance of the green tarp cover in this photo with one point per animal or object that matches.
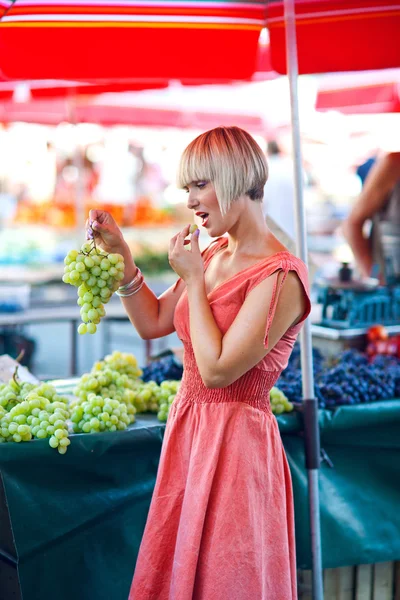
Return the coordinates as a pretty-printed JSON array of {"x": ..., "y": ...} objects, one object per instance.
[
  {"x": 77, "y": 520},
  {"x": 360, "y": 495}
]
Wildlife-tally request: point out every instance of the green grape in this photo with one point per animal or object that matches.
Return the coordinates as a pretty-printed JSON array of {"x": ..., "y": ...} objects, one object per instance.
[
  {"x": 91, "y": 328},
  {"x": 80, "y": 267},
  {"x": 82, "y": 329},
  {"x": 96, "y": 271},
  {"x": 92, "y": 314},
  {"x": 89, "y": 262}
]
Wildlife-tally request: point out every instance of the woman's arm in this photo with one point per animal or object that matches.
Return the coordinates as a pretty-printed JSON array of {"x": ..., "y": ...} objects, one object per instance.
[
  {"x": 222, "y": 359},
  {"x": 152, "y": 317},
  {"x": 378, "y": 185}
]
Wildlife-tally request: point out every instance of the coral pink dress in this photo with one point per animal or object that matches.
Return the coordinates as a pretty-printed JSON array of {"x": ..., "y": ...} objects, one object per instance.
[{"x": 221, "y": 520}]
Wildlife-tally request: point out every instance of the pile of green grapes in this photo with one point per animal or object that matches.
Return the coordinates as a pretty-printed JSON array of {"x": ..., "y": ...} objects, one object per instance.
[
  {"x": 169, "y": 389},
  {"x": 114, "y": 378},
  {"x": 279, "y": 402},
  {"x": 124, "y": 363},
  {"x": 147, "y": 397},
  {"x": 29, "y": 411},
  {"x": 97, "y": 275},
  {"x": 100, "y": 414},
  {"x": 117, "y": 377}
]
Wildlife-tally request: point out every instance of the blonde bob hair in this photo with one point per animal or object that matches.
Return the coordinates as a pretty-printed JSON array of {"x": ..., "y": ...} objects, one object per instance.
[{"x": 230, "y": 159}]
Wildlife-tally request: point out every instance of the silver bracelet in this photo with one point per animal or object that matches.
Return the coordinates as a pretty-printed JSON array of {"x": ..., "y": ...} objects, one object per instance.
[
  {"x": 134, "y": 291},
  {"x": 132, "y": 287},
  {"x": 127, "y": 286}
]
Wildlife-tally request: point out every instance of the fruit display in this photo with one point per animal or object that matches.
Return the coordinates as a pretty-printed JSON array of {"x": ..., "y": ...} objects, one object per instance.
[
  {"x": 163, "y": 369},
  {"x": 122, "y": 362},
  {"x": 279, "y": 402},
  {"x": 29, "y": 411},
  {"x": 114, "y": 378},
  {"x": 169, "y": 389},
  {"x": 354, "y": 378},
  {"x": 290, "y": 380},
  {"x": 381, "y": 343},
  {"x": 97, "y": 275},
  {"x": 100, "y": 414}
]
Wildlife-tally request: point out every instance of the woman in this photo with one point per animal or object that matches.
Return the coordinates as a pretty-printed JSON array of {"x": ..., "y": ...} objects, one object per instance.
[{"x": 220, "y": 525}]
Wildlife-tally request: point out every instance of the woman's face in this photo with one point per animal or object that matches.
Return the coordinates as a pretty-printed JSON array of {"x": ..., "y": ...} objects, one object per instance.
[{"x": 202, "y": 199}]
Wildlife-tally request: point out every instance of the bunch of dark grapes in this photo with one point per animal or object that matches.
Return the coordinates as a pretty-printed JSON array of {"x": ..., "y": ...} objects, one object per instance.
[
  {"x": 354, "y": 380},
  {"x": 290, "y": 380},
  {"x": 166, "y": 368},
  {"x": 391, "y": 365}
]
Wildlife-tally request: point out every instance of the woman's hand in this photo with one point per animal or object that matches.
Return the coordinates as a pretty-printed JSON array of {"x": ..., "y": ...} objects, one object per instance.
[
  {"x": 109, "y": 238},
  {"x": 188, "y": 264},
  {"x": 107, "y": 234}
]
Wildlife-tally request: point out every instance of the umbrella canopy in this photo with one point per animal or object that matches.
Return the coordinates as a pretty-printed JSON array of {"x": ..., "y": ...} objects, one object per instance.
[
  {"x": 366, "y": 93},
  {"x": 98, "y": 111},
  {"x": 38, "y": 89},
  {"x": 154, "y": 40},
  {"x": 4, "y": 6},
  {"x": 338, "y": 35}
]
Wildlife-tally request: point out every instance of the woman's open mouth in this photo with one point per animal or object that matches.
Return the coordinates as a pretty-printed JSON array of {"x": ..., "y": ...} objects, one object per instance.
[{"x": 204, "y": 217}]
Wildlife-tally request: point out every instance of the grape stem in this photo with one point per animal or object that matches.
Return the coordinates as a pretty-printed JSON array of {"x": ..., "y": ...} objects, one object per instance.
[
  {"x": 18, "y": 383},
  {"x": 94, "y": 247},
  {"x": 20, "y": 356}
]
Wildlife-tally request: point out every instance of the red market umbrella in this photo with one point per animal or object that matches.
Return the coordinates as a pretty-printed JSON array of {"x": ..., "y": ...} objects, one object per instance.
[
  {"x": 37, "y": 89},
  {"x": 4, "y": 6},
  {"x": 366, "y": 93},
  {"x": 338, "y": 35},
  {"x": 41, "y": 89},
  {"x": 153, "y": 40},
  {"x": 53, "y": 112}
]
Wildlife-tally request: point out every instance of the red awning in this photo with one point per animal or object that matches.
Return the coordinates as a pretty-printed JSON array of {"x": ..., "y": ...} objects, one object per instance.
[
  {"x": 4, "y": 6},
  {"x": 338, "y": 35},
  {"x": 162, "y": 39},
  {"x": 369, "y": 93},
  {"x": 37, "y": 89},
  {"x": 53, "y": 112}
]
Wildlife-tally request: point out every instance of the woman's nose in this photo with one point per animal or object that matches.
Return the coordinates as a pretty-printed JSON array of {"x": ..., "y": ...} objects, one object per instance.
[{"x": 192, "y": 202}]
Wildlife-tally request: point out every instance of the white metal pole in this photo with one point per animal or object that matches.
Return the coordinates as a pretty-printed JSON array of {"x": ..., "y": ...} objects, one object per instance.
[{"x": 310, "y": 402}]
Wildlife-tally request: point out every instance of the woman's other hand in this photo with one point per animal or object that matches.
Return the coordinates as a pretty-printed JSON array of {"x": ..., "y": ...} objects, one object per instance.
[{"x": 188, "y": 264}]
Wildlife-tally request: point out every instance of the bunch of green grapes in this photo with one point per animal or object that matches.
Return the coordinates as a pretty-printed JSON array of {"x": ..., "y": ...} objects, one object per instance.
[
  {"x": 13, "y": 392},
  {"x": 147, "y": 397},
  {"x": 30, "y": 411},
  {"x": 99, "y": 414},
  {"x": 279, "y": 402},
  {"x": 169, "y": 389},
  {"x": 97, "y": 275},
  {"x": 122, "y": 362},
  {"x": 108, "y": 384}
]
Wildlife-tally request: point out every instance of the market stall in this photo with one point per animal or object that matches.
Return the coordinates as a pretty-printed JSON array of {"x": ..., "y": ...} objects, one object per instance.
[{"x": 91, "y": 504}]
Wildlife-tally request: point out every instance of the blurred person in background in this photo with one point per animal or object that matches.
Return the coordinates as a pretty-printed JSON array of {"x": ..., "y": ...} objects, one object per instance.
[
  {"x": 363, "y": 169},
  {"x": 379, "y": 203},
  {"x": 279, "y": 190}
]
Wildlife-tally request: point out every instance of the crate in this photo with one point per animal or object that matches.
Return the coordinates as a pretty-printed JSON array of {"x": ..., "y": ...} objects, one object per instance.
[{"x": 362, "y": 582}]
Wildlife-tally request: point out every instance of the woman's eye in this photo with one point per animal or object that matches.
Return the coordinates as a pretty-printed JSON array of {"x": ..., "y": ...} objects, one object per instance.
[{"x": 201, "y": 184}]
